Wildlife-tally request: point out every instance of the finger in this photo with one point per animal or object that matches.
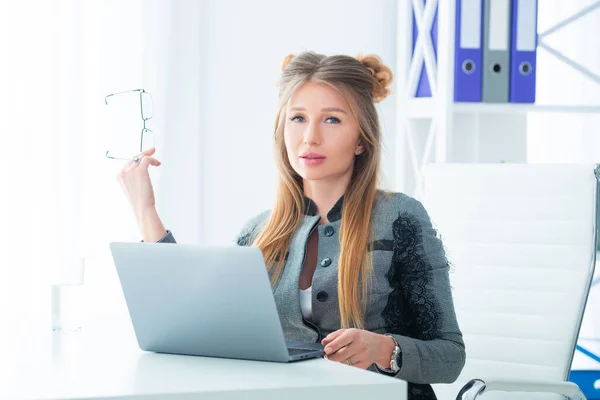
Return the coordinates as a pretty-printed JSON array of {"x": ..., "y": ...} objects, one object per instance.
[
  {"x": 356, "y": 360},
  {"x": 329, "y": 338},
  {"x": 341, "y": 355},
  {"x": 134, "y": 164},
  {"x": 153, "y": 161},
  {"x": 141, "y": 163},
  {"x": 361, "y": 364},
  {"x": 148, "y": 152},
  {"x": 132, "y": 161},
  {"x": 147, "y": 161},
  {"x": 343, "y": 340},
  {"x": 352, "y": 351}
]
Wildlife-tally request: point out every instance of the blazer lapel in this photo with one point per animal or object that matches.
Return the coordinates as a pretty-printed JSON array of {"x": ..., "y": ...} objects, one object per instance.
[{"x": 286, "y": 292}]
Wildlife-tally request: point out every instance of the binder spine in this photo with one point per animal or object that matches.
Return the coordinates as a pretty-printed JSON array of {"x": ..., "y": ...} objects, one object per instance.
[
  {"x": 496, "y": 51},
  {"x": 468, "y": 51},
  {"x": 523, "y": 68}
]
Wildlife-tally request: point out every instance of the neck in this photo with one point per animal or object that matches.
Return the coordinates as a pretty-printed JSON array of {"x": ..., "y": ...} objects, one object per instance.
[{"x": 324, "y": 194}]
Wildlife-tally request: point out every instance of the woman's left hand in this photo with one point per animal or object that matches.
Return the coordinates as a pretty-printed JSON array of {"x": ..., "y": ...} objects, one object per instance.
[{"x": 358, "y": 347}]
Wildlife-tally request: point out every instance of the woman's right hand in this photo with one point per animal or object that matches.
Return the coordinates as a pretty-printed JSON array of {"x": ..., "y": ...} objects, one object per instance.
[{"x": 135, "y": 181}]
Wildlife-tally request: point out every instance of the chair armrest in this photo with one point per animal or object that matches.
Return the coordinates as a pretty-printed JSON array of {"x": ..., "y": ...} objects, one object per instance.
[{"x": 476, "y": 387}]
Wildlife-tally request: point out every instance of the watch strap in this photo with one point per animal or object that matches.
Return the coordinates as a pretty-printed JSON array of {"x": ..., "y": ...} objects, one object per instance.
[{"x": 394, "y": 368}]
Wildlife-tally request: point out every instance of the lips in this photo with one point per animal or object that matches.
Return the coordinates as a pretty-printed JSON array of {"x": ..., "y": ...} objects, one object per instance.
[
  {"x": 312, "y": 161},
  {"x": 312, "y": 156}
]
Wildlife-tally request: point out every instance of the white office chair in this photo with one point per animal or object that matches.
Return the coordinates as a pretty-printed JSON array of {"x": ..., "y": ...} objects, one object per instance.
[{"x": 521, "y": 239}]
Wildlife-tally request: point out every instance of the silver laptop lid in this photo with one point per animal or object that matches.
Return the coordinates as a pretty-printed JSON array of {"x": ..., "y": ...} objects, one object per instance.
[{"x": 210, "y": 301}]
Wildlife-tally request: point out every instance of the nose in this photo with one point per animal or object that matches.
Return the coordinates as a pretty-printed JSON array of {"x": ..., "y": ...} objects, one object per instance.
[{"x": 312, "y": 135}]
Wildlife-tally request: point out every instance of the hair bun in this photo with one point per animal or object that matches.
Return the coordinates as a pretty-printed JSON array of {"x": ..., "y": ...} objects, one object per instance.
[
  {"x": 286, "y": 61},
  {"x": 381, "y": 72},
  {"x": 284, "y": 64}
]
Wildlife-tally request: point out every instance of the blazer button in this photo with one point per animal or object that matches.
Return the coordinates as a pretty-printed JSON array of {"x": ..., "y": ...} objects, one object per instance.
[
  {"x": 329, "y": 231},
  {"x": 326, "y": 262},
  {"x": 322, "y": 296}
]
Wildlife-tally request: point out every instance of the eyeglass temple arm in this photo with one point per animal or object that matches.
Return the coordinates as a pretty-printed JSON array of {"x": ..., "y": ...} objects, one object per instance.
[
  {"x": 116, "y": 158},
  {"x": 125, "y": 91}
]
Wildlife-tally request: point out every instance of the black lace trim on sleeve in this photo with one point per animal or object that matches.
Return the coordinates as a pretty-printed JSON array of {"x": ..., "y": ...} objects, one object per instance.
[{"x": 410, "y": 306}]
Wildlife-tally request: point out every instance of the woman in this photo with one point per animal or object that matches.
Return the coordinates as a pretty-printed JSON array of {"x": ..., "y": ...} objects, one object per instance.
[{"x": 355, "y": 267}]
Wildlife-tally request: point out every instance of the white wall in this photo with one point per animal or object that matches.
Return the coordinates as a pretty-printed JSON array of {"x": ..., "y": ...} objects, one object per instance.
[
  {"x": 567, "y": 137},
  {"x": 218, "y": 167}
]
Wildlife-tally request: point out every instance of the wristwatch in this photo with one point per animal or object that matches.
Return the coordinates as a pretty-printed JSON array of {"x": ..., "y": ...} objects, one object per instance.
[{"x": 394, "y": 367}]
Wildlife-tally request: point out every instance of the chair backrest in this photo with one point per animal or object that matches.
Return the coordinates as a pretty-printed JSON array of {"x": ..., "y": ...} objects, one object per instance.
[{"x": 521, "y": 240}]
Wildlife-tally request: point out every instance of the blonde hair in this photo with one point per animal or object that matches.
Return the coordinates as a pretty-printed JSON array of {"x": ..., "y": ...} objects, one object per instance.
[{"x": 362, "y": 81}]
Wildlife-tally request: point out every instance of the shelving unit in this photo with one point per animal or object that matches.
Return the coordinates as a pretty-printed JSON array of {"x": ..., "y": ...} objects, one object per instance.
[
  {"x": 430, "y": 128},
  {"x": 424, "y": 108}
]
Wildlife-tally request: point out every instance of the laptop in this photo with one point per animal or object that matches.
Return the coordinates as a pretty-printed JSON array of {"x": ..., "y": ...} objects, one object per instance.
[{"x": 211, "y": 301}]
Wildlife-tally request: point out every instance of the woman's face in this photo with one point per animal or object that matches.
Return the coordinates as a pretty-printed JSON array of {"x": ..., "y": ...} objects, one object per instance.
[{"x": 319, "y": 121}]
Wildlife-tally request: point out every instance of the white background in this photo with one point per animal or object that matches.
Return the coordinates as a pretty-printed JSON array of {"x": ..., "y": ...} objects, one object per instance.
[{"x": 211, "y": 67}]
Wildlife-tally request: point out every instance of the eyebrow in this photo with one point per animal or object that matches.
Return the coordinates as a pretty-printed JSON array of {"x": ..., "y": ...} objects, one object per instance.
[{"x": 335, "y": 109}]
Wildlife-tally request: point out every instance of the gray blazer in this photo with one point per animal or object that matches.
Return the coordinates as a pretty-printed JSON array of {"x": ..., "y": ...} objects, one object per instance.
[{"x": 410, "y": 296}]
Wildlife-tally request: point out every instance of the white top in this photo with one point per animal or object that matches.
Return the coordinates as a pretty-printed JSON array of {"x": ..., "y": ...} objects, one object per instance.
[
  {"x": 306, "y": 302},
  {"x": 104, "y": 361}
]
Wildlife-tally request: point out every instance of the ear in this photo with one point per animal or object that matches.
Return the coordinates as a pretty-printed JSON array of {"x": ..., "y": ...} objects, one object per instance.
[{"x": 360, "y": 148}]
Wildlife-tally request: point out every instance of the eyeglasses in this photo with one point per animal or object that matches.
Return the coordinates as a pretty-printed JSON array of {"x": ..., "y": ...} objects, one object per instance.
[{"x": 146, "y": 111}]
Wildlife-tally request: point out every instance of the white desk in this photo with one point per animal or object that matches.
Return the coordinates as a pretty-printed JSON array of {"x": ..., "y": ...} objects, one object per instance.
[{"x": 98, "y": 364}]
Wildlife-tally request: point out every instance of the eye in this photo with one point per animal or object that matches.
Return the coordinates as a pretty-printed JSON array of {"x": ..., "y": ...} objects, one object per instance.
[{"x": 334, "y": 120}]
